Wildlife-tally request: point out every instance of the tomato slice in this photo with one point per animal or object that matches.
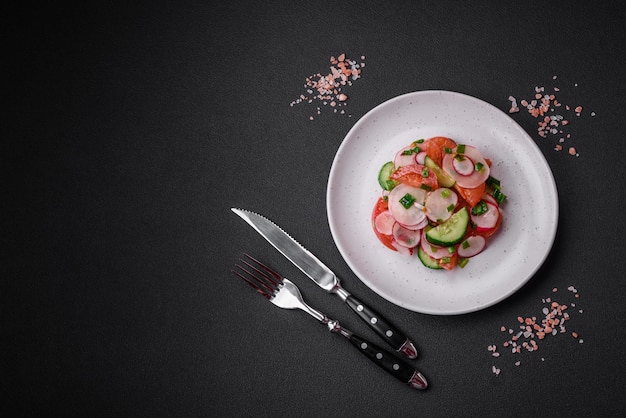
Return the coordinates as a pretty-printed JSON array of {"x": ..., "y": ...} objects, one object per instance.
[
  {"x": 450, "y": 261},
  {"x": 471, "y": 196},
  {"x": 381, "y": 206},
  {"x": 413, "y": 175},
  {"x": 434, "y": 147}
]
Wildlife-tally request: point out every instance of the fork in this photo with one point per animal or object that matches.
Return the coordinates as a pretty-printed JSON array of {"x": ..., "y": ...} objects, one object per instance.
[{"x": 284, "y": 294}]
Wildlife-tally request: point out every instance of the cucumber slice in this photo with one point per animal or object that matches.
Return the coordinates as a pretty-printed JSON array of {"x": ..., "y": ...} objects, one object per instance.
[
  {"x": 451, "y": 231},
  {"x": 384, "y": 176},
  {"x": 444, "y": 179},
  {"x": 427, "y": 260}
]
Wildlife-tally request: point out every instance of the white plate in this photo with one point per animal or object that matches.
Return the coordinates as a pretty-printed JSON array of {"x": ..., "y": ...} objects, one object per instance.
[{"x": 512, "y": 256}]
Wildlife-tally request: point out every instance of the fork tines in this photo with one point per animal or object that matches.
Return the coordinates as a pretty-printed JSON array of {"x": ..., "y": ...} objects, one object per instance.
[{"x": 263, "y": 279}]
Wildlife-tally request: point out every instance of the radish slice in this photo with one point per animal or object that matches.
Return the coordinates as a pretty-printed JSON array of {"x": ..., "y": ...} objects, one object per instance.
[
  {"x": 471, "y": 246},
  {"x": 420, "y": 157},
  {"x": 490, "y": 199},
  {"x": 432, "y": 250},
  {"x": 440, "y": 204},
  {"x": 477, "y": 177},
  {"x": 401, "y": 249},
  {"x": 464, "y": 166},
  {"x": 406, "y": 237},
  {"x": 413, "y": 214},
  {"x": 384, "y": 222},
  {"x": 417, "y": 226},
  {"x": 401, "y": 159},
  {"x": 488, "y": 219}
]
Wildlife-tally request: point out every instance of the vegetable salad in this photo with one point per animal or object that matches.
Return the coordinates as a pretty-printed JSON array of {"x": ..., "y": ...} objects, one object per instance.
[{"x": 439, "y": 201}]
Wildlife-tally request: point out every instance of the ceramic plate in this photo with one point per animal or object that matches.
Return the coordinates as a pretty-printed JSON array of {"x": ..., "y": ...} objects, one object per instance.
[{"x": 512, "y": 256}]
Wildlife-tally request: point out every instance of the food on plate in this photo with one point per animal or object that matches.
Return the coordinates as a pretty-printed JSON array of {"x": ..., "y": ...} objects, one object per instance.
[{"x": 438, "y": 200}]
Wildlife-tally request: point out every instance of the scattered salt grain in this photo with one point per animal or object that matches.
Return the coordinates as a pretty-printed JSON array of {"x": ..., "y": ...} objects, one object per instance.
[
  {"x": 328, "y": 89},
  {"x": 514, "y": 108},
  {"x": 533, "y": 329},
  {"x": 540, "y": 107}
]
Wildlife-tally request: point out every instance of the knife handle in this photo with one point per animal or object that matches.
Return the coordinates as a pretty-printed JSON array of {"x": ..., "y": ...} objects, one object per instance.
[
  {"x": 398, "y": 368},
  {"x": 388, "y": 332}
]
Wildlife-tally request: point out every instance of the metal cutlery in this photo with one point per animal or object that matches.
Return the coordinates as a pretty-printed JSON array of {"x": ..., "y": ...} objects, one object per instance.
[
  {"x": 327, "y": 280},
  {"x": 284, "y": 294}
]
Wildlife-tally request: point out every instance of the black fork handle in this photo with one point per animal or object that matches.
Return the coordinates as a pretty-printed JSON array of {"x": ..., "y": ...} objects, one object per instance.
[
  {"x": 384, "y": 359},
  {"x": 393, "y": 336}
]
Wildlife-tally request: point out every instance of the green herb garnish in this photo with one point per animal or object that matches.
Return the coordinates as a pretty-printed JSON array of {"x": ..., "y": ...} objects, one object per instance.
[
  {"x": 413, "y": 150},
  {"x": 480, "y": 208},
  {"x": 493, "y": 182},
  {"x": 499, "y": 196},
  {"x": 407, "y": 200}
]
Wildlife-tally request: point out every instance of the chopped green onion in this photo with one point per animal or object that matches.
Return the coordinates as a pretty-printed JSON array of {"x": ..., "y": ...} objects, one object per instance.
[
  {"x": 465, "y": 244},
  {"x": 419, "y": 141},
  {"x": 479, "y": 166},
  {"x": 386, "y": 198},
  {"x": 493, "y": 182},
  {"x": 425, "y": 172},
  {"x": 426, "y": 187},
  {"x": 445, "y": 193},
  {"x": 460, "y": 149},
  {"x": 414, "y": 150},
  {"x": 459, "y": 157},
  {"x": 445, "y": 260},
  {"x": 463, "y": 262},
  {"x": 447, "y": 150},
  {"x": 480, "y": 208},
  {"x": 499, "y": 196},
  {"x": 450, "y": 207},
  {"x": 451, "y": 250},
  {"x": 407, "y": 200}
]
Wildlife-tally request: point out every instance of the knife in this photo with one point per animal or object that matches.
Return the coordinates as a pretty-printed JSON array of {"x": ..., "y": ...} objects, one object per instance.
[{"x": 326, "y": 279}]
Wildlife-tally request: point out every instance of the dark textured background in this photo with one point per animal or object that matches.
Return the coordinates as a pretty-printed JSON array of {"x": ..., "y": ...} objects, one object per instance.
[{"x": 132, "y": 131}]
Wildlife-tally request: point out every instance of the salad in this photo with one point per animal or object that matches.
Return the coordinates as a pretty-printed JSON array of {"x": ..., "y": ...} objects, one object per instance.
[{"x": 438, "y": 200}]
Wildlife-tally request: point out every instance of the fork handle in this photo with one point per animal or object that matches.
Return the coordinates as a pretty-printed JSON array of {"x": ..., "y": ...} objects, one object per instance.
[
  {"x": 393, "y": 336},
  {"x": 397, "y": 367}
]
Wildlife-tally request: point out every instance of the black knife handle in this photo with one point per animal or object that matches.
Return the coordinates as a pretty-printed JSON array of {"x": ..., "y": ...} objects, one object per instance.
[
  {"x": 398, "y": 368},
  {"x": 388, "y": 332}
]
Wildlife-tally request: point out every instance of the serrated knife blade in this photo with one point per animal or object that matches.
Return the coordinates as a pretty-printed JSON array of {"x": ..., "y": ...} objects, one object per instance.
[{"x": 326, "y": 279}]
